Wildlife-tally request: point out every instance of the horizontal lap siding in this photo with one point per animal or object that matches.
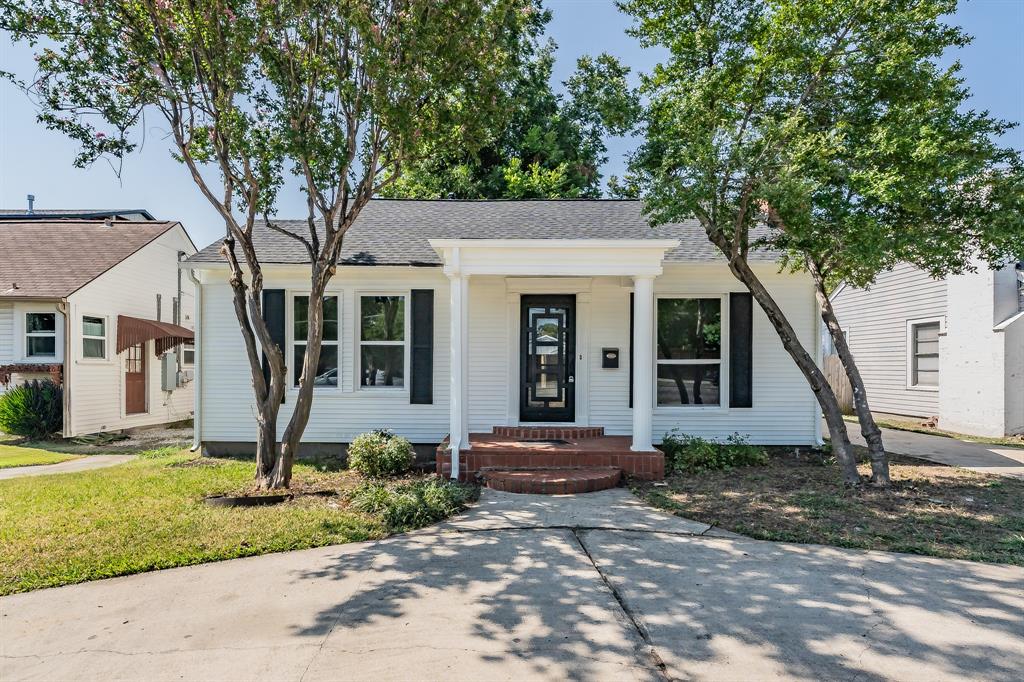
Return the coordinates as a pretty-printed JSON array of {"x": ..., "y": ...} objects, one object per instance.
[
  {"x": 338, "y": 415},
  {"x": 489, "y": 339},
  {"x": 877, "y": 322},
  {"x": 6, "y": 332},
  {"x": 130, "y": 288},
  {"x": 784, "y": 410}
]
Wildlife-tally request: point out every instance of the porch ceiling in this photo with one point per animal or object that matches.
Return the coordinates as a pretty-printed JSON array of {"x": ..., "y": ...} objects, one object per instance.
[{"x": 553, "y": 257}]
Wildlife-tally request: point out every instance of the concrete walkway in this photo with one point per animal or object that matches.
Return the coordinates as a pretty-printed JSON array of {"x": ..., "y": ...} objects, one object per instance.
[
  {"x": 81, "y": 464},
  {"x": 595, "y": 587},
  {"x": 988, "y": 459}
]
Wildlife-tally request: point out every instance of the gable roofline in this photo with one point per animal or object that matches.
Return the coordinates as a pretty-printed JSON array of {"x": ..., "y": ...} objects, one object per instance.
[{"x": 8, "y": 215}]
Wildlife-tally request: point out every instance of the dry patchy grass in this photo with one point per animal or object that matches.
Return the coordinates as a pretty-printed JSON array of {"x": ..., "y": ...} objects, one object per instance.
[{"x": 931, "y": 509}]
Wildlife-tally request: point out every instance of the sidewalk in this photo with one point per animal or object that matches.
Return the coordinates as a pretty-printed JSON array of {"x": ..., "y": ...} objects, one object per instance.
[{"x": 81, "y": 464}]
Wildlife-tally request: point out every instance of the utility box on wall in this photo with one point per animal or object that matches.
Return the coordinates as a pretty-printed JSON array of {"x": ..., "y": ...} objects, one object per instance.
[{"x": 169, "y": 371}]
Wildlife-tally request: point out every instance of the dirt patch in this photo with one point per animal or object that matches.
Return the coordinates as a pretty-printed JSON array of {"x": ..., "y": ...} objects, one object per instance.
[{"x": 930, "y": 509}]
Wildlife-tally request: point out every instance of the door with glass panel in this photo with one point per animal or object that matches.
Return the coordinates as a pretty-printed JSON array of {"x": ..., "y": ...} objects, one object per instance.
[{"x": 547, "y": 352}]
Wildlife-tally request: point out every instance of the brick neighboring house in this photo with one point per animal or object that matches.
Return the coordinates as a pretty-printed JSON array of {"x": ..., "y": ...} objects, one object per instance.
[{"x": 93, "y": 300}]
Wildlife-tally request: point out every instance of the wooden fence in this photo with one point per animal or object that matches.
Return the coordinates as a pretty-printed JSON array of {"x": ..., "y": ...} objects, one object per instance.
[{"x": 836, "y": 375}]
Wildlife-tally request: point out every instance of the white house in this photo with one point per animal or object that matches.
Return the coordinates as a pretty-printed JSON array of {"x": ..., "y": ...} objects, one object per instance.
[
  {"x": 99, "y": 306},
  {"x": 482, "y": 318},
  {"x": 951, "y": 348}
]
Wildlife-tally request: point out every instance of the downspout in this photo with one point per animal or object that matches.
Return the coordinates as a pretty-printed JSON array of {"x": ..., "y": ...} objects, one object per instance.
[
  {"x": 62, "y": 306},
  {"x": 197, "y": 367}
]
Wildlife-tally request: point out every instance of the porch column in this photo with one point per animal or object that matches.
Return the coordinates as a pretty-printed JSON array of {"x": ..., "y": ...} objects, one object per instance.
[
  {"x": 643, "y": 361},
  {"x": 458, "y": 426}
]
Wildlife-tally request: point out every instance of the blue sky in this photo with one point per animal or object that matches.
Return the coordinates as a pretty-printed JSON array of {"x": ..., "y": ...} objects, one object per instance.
[{"x": 37, "y": 161}]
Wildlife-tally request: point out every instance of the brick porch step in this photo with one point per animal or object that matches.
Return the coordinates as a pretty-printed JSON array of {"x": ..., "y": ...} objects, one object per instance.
[
  {"x": 548, "y": 432},
  {"x": 551, "y": 481}
]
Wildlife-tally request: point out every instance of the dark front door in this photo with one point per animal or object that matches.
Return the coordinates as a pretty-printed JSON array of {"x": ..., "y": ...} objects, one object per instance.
[
  {"x": 547, "y": 353},
  {"x": 135, "y": 379}
]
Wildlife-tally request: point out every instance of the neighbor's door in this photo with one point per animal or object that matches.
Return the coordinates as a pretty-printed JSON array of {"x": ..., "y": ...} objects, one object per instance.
[
  {"x": 547, "y": 353},
  {"x": 135, "y": 379}
]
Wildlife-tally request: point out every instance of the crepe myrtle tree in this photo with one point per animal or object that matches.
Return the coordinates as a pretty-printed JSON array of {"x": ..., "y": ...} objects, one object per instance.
[
  {"x": 332, "y": 95},
  {"x": 829, "y": 122}
]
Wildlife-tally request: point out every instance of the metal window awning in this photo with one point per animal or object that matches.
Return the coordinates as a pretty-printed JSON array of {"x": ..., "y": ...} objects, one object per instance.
[{"x": 134, "y": 330}]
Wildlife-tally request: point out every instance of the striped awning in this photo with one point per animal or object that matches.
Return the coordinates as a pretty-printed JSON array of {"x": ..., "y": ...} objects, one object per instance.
[{"x": 134, "y": 330}]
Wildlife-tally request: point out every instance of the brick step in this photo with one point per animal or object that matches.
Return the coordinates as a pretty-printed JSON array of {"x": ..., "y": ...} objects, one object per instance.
[
  {"x": 549, "y": 432},
  {"x": 551, "y": 480}
]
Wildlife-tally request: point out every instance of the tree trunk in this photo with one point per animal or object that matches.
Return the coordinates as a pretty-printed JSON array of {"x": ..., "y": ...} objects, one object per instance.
[
  {"x": 872, "y": 434},
  {"x": 815, "y": 378}
]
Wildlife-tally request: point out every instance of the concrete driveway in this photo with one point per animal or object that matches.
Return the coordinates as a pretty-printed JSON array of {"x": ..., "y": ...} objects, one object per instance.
[{"x": 524, "y": 587}]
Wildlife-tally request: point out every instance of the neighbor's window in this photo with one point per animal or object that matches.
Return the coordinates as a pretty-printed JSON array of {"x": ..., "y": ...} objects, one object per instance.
[
  {"x": 924, "y": 369},
  {"x": 188, "y": 354},
  {"x": 382, "y": 341},
  {"x": 327, "y": 368},
  {"x": 94, "y": 337},
  {"x": 689, "y": 351},
  {"x": 41, "y": 335}
]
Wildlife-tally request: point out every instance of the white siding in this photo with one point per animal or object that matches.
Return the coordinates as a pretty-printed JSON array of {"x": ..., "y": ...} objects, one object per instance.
[
  {"x": 6, "y": 332},
  {"x": 876, "y": 322},
  {"x": 130, "y": 288},
  {"x": 784, "y": 410}
]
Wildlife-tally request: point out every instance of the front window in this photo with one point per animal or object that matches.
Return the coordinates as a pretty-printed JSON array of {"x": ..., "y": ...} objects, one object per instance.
[
  {"x": 689, "y": 351},
  {"x": 41, "y": 335},
  {"x": 327, "y": 369},
  {"x": 94, "y": 337},
  {"x": 382, "y": 341},
  {"x": 925, "y": 360}
]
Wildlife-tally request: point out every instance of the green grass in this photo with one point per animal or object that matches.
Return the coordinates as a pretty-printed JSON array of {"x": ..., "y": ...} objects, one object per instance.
[
  {"x": 931, "y": 509},
  {"x": 915, "y": 427},
  {"x": 18, "y": 456},
  {"x": 149, "y": 514}
]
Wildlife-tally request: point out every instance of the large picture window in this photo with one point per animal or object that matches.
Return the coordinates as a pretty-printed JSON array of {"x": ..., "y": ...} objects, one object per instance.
[
  {"x": 94, "y": 337},
  {"x": 41, "y": 335},
  {"x": 924, "y": 362},
  {"x": 382, "y": 341},
  {"x": 689, "y": 357},
  {"x": 327, "y": 368}
]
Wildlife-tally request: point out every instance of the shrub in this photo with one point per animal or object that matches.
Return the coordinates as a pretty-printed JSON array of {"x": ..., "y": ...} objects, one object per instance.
[
  {"x": 691, "y": 454},
  {"x": 380, "y": 453},
  {"x": 412, "y": 504},
  {"x": 34, "y": 410}
]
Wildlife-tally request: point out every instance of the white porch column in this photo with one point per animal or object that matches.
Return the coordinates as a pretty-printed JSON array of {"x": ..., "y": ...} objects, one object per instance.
[
  {"x": 643, "y": 361},
  {"x": 458, "y": 426}
]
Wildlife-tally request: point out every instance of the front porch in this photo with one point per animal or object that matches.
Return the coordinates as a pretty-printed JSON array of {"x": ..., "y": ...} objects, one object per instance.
[{"x": 547, "y": 448}]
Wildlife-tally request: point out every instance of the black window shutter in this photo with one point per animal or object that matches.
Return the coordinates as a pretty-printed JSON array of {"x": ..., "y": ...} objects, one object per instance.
[
  {"x": 631, "y": 349},
  {"x": 273, "y": 315},
  {"x": 421, "y": 388},
  {"x": 741, "y": 350}
]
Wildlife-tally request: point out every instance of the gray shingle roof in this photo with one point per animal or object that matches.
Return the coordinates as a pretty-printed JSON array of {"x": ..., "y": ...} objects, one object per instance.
[
  {"x": 52, "y": 259},
  {"x": 396, "y": 231}
]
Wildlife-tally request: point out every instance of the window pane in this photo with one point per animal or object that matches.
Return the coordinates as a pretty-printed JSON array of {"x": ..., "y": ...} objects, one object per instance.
[
  {"x": 383, "y": 318},
  {"x": 42, "y": 346},
  {"x": 93, "y": 326},
  {"x": 383, "y": 365},
  {"x": 300, "y": 318},
  {"x": 927, "y": 332},
  {"x": 326, "y": 369},
  {"x": 94, "y": 348},
  {"x": 927, "y": 378},
  {"x": 188, "y": 355},
  {"x": 688, "y": 384},
  {"x": 928, "y": 363},
  {"x": 41, "y": 322},
  {"x": 689, "y": 328}
]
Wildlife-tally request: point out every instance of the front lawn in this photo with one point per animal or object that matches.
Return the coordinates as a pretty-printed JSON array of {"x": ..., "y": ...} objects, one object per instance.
[
  {"x": 149, "y": 514},
  {"x": 931, "y": 509},
  {"x": 17, "y": 456}
]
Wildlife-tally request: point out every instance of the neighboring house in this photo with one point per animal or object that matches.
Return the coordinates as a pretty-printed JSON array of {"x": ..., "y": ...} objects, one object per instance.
[
  {"x": 98, "y": 306},
  {"x": 951, "y": 348},
  {"x": 459, "y": 317},
  {"x": 136, "y": 214}
]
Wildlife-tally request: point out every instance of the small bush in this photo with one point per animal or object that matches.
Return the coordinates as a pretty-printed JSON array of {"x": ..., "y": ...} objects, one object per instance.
[
  {"x": 35, "y": 410},
  {"x": 412, "y": 504},
  {"x": 380, "y": 453},
  {"x": 691, "y": 454}
]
